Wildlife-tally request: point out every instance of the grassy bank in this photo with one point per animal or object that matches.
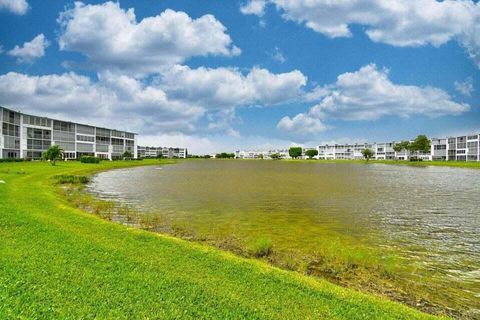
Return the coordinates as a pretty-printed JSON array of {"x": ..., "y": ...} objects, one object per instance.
[
  {"x": 59, "y": 262},
  {"x": 453, "y": 164}
]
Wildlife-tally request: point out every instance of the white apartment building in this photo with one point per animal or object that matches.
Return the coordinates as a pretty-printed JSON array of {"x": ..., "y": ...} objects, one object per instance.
[
  {"x": 165, "y": 152},
  {"x": 461, "y": 148},
  {"x": 343, "y": 151},
  {"x": 27, "y": 136},
  {"x": 381, "y": 151},
  {"x": 259, "y": 154}
]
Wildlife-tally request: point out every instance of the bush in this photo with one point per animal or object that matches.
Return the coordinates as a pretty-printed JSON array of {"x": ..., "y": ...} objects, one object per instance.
[
  {"x": 89, "y": 159},
  {"x": 12, "y": 160},
  {"x": 225, "y": 155},
  {"x": 262, "y": 247},
  {"x": 66, "y": 179}
]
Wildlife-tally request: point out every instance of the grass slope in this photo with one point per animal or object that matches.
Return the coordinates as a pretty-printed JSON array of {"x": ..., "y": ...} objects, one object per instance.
[{"x": 59, "y": 262}]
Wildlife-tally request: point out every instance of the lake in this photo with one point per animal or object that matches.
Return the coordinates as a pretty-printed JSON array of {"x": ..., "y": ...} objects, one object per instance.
[{"x": 412, "y": 230}]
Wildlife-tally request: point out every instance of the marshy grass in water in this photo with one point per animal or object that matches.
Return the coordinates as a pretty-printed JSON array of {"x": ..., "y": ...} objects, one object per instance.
[{"x": 383, "y": 229}]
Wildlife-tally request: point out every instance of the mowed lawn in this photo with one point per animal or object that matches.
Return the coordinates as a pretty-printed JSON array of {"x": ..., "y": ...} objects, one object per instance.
[{"x": 59, "y": 262}]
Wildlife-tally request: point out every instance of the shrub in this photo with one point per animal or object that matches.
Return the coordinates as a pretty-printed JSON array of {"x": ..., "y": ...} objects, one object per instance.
[
  {"x": 89, "y": 159},
  {"x": 127, "y": 155},
  {"x": 12, "y": 160},
  {"x": 262, "y": 247},
  {"x": 65, "y": 179}
]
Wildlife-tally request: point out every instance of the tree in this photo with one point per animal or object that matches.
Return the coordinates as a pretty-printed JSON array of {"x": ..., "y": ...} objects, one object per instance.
[
  {"x": 224, "y": 155},
  {"x": 420, "y": 144},
  {"x": 275, "y": 156},
  {"x": 260, "y": 156},
  {"x": 127, "y": 155},
  {"x": 295, "y": 152},
  {"x": 53, "y": 154},
  {"x": 311, "y": 153},
  {"x": 367, "y": 154},
  {"x": 404, "y": 145}
]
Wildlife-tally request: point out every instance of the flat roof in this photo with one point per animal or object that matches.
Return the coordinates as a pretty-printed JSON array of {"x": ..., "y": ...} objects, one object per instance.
[{"x": 68, "y": 121}]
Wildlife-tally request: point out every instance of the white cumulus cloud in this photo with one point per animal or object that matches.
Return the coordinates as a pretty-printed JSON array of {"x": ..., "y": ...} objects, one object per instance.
[
  {"x": 466, "y": 87},
  {"x": 396, "y": 22},
  {"x": 302, "y": 124},
  {"x": 226, "y": 87},
  {"x": 19, "y": 7},
  {"x": 173, "y": 102},
  {"x": 113, "y": 101},
  {"x": 31, "y": 50},
  {"x": 111, "y": 38},
  {"x": 369, "y": 94},
  {"x": 256, "y": 7}
]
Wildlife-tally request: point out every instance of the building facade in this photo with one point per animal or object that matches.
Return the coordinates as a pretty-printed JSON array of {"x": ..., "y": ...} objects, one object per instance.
[
  {"x": 461, "y": 148},
  {"x": 27, "y": 136},
  {"x": 381, "y": 151},
  {"x": 261, "y": 154},
  {"x": 343, "y": 151},
  {"x": 164, "y": 152}
]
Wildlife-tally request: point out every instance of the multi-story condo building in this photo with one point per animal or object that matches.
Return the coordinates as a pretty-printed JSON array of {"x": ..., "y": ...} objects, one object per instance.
[
  {"x": 381, "y": 151},
  {"x": 462, "y": 148},
  {"x": 27, "y": 136},
  {"x": 165, "y": 152},
  {"x": 343, "y": 151},
  {"x": 265, "y": 154}
]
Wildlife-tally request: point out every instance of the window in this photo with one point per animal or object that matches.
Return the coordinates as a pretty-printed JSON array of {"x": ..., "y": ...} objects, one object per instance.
[
  {"x": 84, "y": 147},
  {"x": 63, "y": 136},
  {"x": 66, "y": 146},
  {"x": 10, "y": 130},
  {"x": 117, "y": 142},
  {"x": 103, "y": 132},
  {"x": 37, "y": 121},
  {"x": 102, "y": 140},
  {"x": 11, "y": 142},
  {"x": 63, "y": 126},
  {"x": 85, "y": 129},
  {"x": 11, "y": 117},
  {"x": 85, "y": 138},
  {"x": 101, "y": 148},
  {"x": 116, "y": 133}
]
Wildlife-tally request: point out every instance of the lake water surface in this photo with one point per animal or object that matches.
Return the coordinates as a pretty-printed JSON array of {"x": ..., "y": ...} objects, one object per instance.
[{"x": 427, "y": 216}]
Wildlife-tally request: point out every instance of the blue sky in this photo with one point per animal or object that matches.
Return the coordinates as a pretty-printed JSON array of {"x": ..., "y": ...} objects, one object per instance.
[{"x": 221, "y": 75}]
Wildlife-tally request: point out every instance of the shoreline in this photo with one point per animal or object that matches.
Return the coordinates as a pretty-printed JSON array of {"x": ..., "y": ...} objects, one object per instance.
[
  {"x": 44, "y": 218},
  {"x": 451, "y": 164},
  {"x": 370, "y": 279}
]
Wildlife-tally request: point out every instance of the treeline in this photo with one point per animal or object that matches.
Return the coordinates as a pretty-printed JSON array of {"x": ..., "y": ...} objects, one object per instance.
[{"x": 225, "y": 155}]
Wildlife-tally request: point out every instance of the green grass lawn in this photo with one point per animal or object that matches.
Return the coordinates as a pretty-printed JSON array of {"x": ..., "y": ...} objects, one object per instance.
[{"x": 59, "y": 262}]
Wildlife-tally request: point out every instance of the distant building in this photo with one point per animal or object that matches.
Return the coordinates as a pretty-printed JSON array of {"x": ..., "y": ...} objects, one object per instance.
[
  {"x": 461, "y": 148},
  {"x": 27, "y": 136},
  {"x": 343, "y": 151},
  {"x": 381, "y": 151},
  {"x": 165, "y": 152},
  {"x": 263, "y": 154}
]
